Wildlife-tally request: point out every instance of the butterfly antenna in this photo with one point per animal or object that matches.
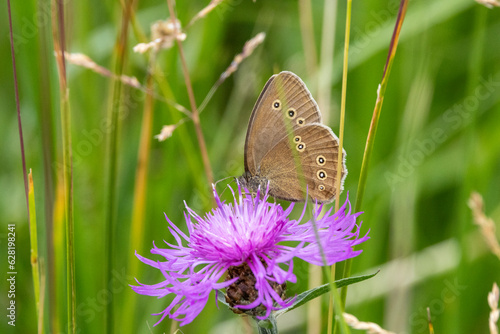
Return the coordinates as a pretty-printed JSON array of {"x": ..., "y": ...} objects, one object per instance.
[
  {"x": 223, "y": 179},
  {"x": 233, "y": 180}
]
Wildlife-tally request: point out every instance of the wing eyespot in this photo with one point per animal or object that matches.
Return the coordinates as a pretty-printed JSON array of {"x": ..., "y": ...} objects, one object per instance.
[
  {"x": 291, "y": 113},
  {"x": 320, "y": 160},
  {"x": 277, "y": 105},
  {"x": 301, "y": 121},
  {"x": 321, "y": 187},
  {"x": 297, "y": 139},
  {"x": 301, "y": 147},
  {"x": 321, "y": 174}
]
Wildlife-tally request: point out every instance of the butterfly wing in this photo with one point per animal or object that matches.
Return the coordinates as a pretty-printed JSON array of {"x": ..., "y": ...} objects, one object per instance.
[
  {"x": 284, "y": 105},
  {"x": 305, "y": 162}
]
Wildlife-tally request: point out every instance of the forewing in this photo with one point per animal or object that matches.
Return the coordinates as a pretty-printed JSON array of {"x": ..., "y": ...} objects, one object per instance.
[{"x": 284, "y": 105}]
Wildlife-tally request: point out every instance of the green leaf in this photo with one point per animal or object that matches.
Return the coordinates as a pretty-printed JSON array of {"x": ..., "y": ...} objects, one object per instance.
[
  {"x": 221, "y": 297},
  {"x": 308, "y": 295}
]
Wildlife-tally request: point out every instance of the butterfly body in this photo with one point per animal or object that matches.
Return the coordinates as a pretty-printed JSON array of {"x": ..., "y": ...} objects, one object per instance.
[{"x": 287, "y": 147}]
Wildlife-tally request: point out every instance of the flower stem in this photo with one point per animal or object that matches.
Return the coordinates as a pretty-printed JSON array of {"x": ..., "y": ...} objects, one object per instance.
[
  {"x": 194, "y": 110},
  {"x": 373, "y": 125},
  {"x": 268, "y": 326}
]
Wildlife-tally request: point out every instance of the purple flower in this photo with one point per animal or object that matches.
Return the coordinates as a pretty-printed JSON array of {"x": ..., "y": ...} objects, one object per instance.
[{"x": 247, "y": 234}]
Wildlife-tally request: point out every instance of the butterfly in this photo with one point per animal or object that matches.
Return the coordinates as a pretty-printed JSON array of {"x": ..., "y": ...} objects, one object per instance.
[{"x": 287, "y": 147}]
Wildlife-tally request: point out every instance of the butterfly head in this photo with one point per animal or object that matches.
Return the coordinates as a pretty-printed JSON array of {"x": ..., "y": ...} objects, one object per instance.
[{"x": 252, "y": 183}]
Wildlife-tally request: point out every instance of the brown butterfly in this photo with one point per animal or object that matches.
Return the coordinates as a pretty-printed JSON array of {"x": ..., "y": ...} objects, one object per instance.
[{"x": 287, "y": 147}]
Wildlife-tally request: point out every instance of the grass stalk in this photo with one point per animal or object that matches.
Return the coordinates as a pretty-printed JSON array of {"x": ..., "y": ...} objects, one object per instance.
[
  {"x": 314, "y": 321},
  {"x": 194, "y": 110},
  {"x": 370, "y": 141},
  {"x": 112, "y": 158},
  {"x": 41, "y": 299},
  {"x": 59, "y": 48},
  {"x": 69, "y": 220},
  {"x": 34, "y": 251},
  {"x": 28, "y": 185},
  {"x": 341, "y": 145},
  {"x": 18, "y": 109}
]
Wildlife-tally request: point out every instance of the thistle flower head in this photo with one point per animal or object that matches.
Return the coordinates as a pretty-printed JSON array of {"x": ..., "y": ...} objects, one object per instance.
[{"x": 250, "y": 240}]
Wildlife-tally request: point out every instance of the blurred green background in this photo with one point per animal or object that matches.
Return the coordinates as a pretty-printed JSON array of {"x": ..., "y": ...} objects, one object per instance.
[{"x": 438, "y": 139}]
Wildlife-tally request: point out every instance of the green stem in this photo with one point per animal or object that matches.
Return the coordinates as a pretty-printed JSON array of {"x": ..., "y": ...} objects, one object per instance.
[
  {"x": 370, "y": 141},
  {"x": 268, "y": 326}
]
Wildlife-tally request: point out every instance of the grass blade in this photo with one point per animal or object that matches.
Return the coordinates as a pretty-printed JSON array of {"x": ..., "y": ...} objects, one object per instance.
[
  {"x": 46, "y": 119},
  {"x": 57, "y": 318},
  {"x": 112, "y": 158},
  {"x": 340, "y": 159},
  {"x": 59, "y": 49},
  {"x": 140, "y": 188},
  {"x": 34, "y": 251}
]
